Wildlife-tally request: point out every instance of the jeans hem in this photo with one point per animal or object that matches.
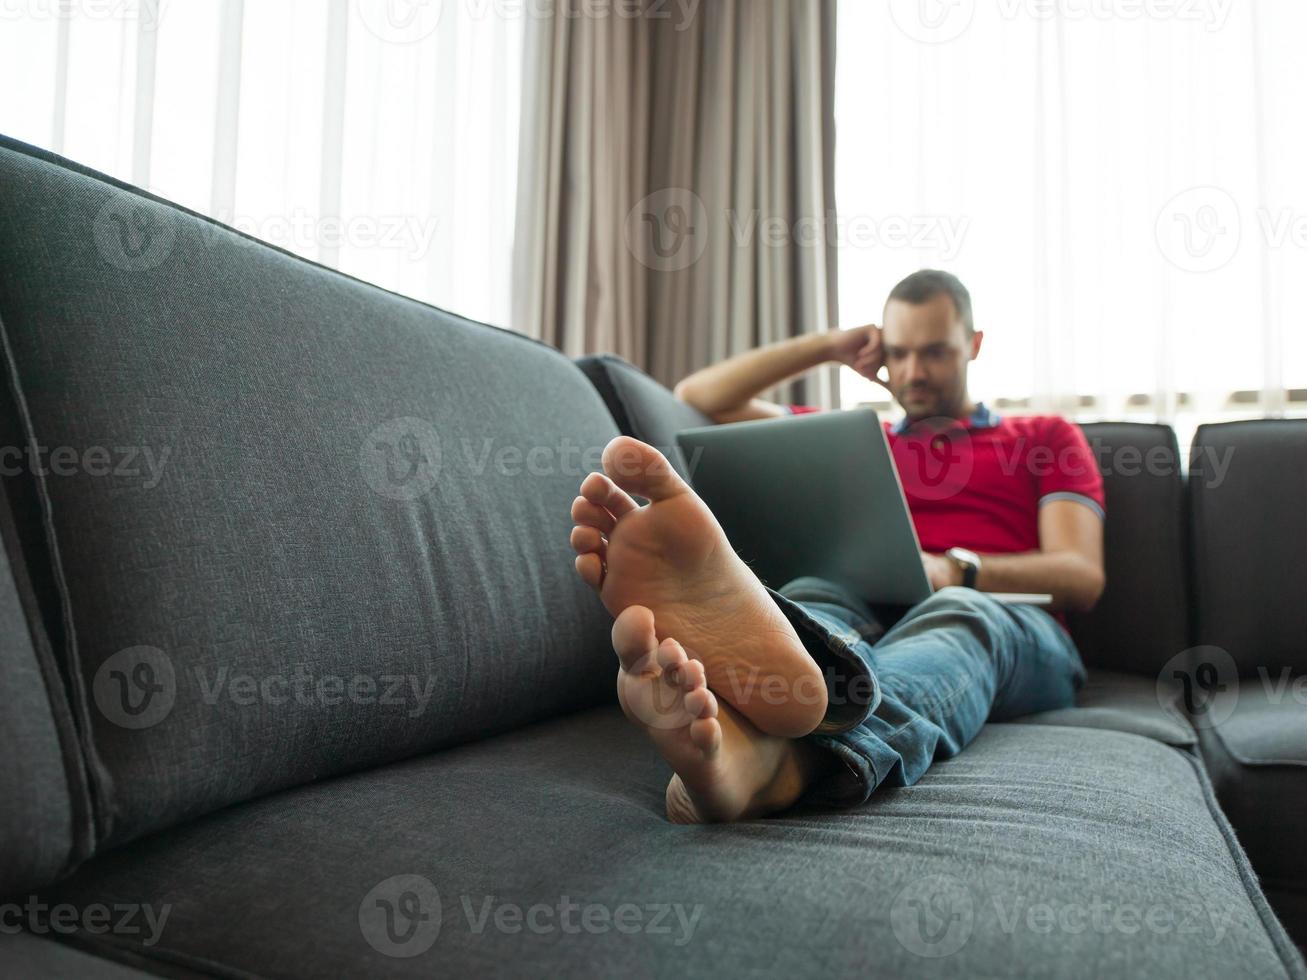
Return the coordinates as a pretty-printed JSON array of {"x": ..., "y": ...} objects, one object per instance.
[{"x": 833, "y": 653}]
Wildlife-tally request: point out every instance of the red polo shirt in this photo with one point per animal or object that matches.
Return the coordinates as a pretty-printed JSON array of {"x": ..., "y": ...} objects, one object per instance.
[{"x": 978, "y": 483}]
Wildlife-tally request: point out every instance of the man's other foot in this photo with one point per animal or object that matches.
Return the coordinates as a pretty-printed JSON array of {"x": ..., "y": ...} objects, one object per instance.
[
  {"x": 725, "y": 768},
  {"x": 672, "y": 557}
]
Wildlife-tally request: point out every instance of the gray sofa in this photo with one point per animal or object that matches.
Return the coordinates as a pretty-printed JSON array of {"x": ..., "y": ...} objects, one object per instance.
[{"x": 298, "y": 680}]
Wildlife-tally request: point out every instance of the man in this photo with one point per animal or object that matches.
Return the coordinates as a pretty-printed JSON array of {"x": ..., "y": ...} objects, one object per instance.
[{"x": 759, "y": 698}]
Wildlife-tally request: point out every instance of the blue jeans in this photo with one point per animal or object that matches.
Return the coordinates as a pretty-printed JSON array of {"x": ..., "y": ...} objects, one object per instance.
[{"x": 921, "y": 690}]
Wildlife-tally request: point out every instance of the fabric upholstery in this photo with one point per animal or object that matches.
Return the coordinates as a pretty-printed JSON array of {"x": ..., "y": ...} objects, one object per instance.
[
  {"x": 300, "y": 526},
  {"x": 23, "y": 954},
  {"x": 998, "y": 857},
  {"x": 1249, "y": 525},
  {"x": 1142, "y": 619},
  {"x": 642, "y": 407},
  {"x": 1123, "y": 703},
  {"x": 1254, "y": 743},
  {"x": 38, "y": 810}
]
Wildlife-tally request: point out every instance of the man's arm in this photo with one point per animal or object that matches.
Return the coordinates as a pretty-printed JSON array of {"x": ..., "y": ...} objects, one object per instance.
[
  {"x": 728, "y": 391},
  {"x": 1068, "y": 564}
]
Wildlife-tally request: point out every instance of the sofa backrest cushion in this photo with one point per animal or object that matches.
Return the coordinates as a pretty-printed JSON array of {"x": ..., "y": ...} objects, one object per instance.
[
  {"x": 45, "y": 822},
  {"x": 298, "y": 525},
  {"x": 642, "y": 407},
  {"x": 1249, "y": 527},
  {"x": 1142, "y": 619}
]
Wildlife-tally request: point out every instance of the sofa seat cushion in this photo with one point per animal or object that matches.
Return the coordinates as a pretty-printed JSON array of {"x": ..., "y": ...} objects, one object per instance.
[
  {"x": 1254, "y": 742},
  {"x": 1124, "y": 703},
  {"x": 545, "y": 852}
]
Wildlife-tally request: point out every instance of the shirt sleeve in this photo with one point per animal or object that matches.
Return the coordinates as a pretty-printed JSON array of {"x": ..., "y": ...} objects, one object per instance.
[{"x": 1071, "y": 469}]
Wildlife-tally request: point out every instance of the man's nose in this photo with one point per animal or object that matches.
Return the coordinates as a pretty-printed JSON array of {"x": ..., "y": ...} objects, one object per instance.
[{"x": 915, "y": 368}]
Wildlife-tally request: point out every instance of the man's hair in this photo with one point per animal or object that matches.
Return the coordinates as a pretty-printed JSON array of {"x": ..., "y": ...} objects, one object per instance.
[{"x": 922, "y": 287}]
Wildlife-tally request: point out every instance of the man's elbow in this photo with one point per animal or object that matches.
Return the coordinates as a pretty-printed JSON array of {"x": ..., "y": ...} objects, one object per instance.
[
  {"x": 689, "y": 392},
  {"x": 685, "y": 391},
  {"x": 1088, "y": 590}
]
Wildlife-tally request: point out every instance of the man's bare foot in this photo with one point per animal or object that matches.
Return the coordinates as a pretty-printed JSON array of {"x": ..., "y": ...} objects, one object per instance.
[
  {"x": 725, "y": 768},
  {"x": 673, "y": 557}
]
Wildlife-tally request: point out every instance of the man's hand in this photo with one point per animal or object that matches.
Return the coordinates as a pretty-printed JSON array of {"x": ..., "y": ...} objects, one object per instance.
[
  {"x": 860, "y": 348},
  {"x": 940, "y": 570}
]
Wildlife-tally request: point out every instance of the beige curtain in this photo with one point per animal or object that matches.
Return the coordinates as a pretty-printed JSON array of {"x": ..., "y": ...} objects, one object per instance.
[{"x": 676, "y": 182}]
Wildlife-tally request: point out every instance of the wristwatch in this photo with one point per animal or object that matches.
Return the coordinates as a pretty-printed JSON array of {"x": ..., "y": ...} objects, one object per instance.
[{"x": 968, "y": 561}]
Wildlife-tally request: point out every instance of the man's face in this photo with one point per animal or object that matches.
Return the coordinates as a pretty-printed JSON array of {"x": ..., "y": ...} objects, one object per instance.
[{"x": 926, "y": 354}]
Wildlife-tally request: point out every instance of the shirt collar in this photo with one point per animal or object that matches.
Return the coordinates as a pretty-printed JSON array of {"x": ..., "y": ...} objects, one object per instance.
[{"x": 981, "y": 418}]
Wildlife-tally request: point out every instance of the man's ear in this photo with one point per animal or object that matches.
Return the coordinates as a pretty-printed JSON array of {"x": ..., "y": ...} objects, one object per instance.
[{"x": 976, "y": 339}]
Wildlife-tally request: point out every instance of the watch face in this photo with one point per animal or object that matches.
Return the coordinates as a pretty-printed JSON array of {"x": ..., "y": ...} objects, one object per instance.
[{"x": 965, "y": 557}]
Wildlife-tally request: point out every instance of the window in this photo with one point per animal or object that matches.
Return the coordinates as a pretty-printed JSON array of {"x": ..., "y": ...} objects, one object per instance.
[
  {"x": 1119, "y": 185},
  {"x": 377, "y": 138}
]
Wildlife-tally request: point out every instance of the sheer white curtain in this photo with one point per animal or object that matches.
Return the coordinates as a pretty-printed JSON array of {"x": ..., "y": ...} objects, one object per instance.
[
  {"x": 1121, "y": 184},
  {"x": 376, "y": 136}
]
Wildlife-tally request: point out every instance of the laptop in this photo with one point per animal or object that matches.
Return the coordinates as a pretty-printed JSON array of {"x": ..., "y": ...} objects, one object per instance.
[{"x": 818, "y": 495}]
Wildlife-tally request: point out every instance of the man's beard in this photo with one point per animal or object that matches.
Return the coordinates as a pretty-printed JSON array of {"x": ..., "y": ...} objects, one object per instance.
[{"x": 937, "y": 404}]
